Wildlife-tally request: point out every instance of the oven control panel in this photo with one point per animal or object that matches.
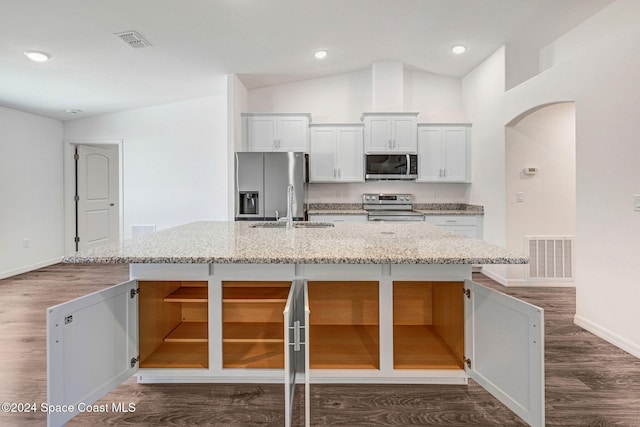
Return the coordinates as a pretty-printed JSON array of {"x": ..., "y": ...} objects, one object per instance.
[{"x": 387, "y": 199}]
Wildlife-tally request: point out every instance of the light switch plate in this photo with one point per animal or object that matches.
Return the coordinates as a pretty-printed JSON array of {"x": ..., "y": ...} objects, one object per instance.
[
  {"x": 636, "y": 202},
  {"x": 520, "y": 197}
]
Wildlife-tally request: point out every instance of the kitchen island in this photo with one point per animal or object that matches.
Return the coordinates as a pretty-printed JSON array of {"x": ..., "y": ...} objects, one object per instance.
[{"x": 257, "y": 302}]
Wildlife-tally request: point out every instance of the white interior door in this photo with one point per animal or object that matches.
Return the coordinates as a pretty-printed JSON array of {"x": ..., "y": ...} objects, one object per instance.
[
  {"x": 295, "y": 349},
  {"x": 91, "y": 342},
  {"x": 97, "y": 191},
  {"x": 504, "y": 340}
]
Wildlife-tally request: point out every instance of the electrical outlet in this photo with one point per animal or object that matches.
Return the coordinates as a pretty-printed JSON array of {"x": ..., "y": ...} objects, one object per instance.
[
  {"x": 520, "y": 197},
  {"x": 636, "y": 202},
  {"x": 25, "y": 243}
]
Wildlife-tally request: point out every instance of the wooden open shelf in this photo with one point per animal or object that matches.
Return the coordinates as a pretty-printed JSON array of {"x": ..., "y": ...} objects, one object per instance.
[
  {"x": 189, "y": 332},
  {"x": 428, "y": 325},
  {"x": 344, "y": 325},
  {"x": 178, "y": 355},
  {"x": 253, "y": 324},
  {"x": 420, "y": 347},
  {"x": 188, "y": 294},
  {"x": 173, "y": 324},
  {"x": 253, "y": 355},
  {"x": 344, "y": 347},
  {"x": 253, "y": 332}
]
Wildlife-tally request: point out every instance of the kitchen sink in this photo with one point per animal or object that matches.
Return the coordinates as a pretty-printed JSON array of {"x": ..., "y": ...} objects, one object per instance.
[
  {"x": 313, "y": 224},
  {"x": 297, "y": 224}
]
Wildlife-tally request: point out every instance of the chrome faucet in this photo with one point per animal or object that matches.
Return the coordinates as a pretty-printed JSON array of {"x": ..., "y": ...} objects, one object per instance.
[
  {"x": 289, "y": 218},
  {"x": 290, "y": 206}
]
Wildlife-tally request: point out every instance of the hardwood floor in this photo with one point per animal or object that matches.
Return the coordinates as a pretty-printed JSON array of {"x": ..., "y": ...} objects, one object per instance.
[{"x": 588, "y": 381}]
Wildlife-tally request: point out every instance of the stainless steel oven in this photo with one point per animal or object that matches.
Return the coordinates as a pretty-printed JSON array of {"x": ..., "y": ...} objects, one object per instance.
[
  {"x": 390, "y": 207},
  {"x": 391, "y": 166}
]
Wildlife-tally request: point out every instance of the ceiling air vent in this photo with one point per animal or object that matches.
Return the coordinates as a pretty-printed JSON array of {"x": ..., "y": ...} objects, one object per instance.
[{"x": 133, "y": 39}]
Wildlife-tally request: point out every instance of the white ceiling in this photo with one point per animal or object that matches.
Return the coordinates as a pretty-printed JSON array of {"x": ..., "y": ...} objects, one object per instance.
[{"x": 264, "y": 41}]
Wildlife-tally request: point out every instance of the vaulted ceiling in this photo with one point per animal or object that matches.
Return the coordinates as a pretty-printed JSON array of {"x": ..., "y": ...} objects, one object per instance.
[{"x": 263, "y": 41}]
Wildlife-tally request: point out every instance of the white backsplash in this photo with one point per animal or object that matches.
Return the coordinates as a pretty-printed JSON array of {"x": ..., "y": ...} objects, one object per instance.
[{"x": 422, "y": 192}]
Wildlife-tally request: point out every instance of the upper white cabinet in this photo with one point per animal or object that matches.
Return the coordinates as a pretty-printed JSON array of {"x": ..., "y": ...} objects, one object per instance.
[
  {"x": 390, "y": 132},
  {"x": 336, "y": 153},
  {"x": 276, "y": 132},
  {"x": 443, "y": 153}
]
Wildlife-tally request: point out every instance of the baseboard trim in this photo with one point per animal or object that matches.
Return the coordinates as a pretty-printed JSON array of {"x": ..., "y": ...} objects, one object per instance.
[
  {"x": 491, "y": 275},
  {"x": 28, "y": 268},
  {"x": 607, "y": 335},
  {"x": 522, "y": 283}
]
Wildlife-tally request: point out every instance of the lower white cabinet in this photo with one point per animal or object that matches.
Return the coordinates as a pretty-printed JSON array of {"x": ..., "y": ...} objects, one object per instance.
[
  {"x": 299, "y": 324},
  {"x": 337, "y": 218},
  {"x": 467, "y": 225}
]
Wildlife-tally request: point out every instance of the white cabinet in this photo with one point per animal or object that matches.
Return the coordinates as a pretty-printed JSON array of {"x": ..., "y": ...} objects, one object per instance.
[
  {"x": 336, "y": 153},
  {"x": 276, "y": 132},
  {"x": 336, "y": 323},
  {"x": 390, "y": 132},
  {"x": 443, "y": 153},
  {"x": 337, "y": 218},
  {"x": 466, "y": 225}
]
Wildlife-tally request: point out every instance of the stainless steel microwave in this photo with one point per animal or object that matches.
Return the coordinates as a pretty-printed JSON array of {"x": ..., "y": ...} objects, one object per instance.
[{"x": 391, "y": 166}]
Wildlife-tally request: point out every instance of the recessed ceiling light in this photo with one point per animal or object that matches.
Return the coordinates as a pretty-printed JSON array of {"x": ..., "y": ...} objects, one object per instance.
[
  {"x": 321, "y": 54},
  {"x": 36, "y": 56},
  {"x": 458, "y": 49}
]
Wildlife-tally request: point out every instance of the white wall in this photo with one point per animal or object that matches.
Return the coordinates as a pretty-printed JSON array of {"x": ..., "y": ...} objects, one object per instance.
[
  {"x": 31, "y": 185},
  {"x": 175, "y": 160},
  {"x": 602, "y": 78},
  {"x": 336, "y": 99},
  {"x": 544, "y": 139}
]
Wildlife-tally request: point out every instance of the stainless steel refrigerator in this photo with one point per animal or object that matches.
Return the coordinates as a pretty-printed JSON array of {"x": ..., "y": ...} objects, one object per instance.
[{"x": 261, "y": 185}]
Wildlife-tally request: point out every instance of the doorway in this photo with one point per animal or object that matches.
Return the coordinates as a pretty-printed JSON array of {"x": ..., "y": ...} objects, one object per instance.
[
  {"x": 541, "y": 194},
  {"x": 94, "y": 194}
]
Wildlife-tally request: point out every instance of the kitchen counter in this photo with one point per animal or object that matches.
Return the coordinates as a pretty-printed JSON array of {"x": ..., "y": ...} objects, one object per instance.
[
  {"x": 425, "y": 208},
  {"x": 336, "y": 209},
  {"x": 344, "y": 243}
]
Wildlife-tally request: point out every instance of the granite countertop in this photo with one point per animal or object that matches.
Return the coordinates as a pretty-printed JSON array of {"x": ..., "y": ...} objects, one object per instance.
[
  {"x": 425, "y": 208},
  {"x": 344, "y": 243}
]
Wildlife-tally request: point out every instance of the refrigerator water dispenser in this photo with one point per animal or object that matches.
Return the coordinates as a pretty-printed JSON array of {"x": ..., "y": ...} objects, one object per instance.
[{"x": 249, "y": 202}]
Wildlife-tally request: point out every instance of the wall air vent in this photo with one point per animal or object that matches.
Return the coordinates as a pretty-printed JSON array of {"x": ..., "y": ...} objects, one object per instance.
[
  {"x": 551, "y": 257},
  {"x": 133, "y": 39}
]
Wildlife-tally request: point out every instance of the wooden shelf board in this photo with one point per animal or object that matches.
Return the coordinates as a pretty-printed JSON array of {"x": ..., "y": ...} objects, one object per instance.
[
  {"x": 188, "y": 294},
  {"x": 252, "y": 332},
  {"x": 420, "y": 347},
  {"x": 255, "y": 300},
  {"x": 178, "y": 355},
  {"x": 255, "y": 284},
  {"x": 258, "y": 293},
  {"x": 189, "y": 332},
  {"x": 256, "y": 355},
  {"x": 344, "y": 347}
]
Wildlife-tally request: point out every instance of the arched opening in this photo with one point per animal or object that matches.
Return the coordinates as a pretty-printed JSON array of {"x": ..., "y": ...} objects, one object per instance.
[{"x": 541, "y": 193}]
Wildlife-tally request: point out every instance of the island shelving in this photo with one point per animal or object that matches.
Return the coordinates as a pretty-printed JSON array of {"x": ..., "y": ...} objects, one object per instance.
[{"x": 350, "y": 303}]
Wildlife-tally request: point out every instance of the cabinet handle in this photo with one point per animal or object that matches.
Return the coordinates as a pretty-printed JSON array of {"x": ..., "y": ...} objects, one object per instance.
[{"x": 338, "y": 172}]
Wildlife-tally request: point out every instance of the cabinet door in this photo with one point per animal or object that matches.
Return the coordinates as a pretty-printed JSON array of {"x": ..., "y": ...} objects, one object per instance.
[
  {"x": 377, "y": 135},
  {"x": 430, "y": 154},
  {"x": 454, "y": 141},
  {"x": 504, "y": 340},
  {"x": 404, "y": 134},
  {"x": 350, "y": 155},
  {"x": 92, "y": 347},
  {"x": 292, "y": 134},
  {"x": 295, "y": 354},
  {"x": 322, "y": 155},
  {"x": 262, "y": 133}
]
